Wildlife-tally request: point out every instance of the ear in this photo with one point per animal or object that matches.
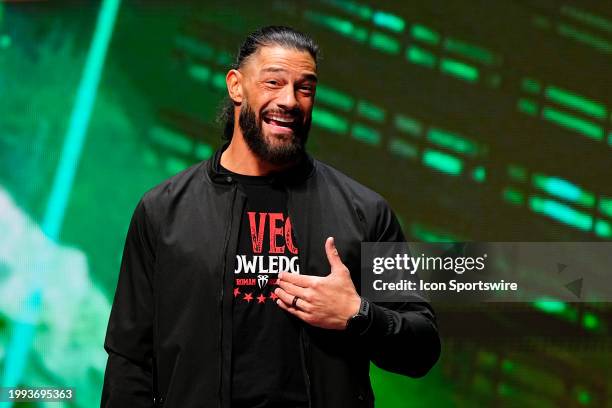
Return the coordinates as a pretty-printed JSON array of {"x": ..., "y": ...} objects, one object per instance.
[{"x": 233, "y": 80}]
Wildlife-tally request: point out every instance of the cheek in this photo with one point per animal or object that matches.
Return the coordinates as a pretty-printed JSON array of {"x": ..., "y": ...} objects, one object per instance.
[
  {"x": 307, "y": 109},
  {"x": 264, "y": 103}
]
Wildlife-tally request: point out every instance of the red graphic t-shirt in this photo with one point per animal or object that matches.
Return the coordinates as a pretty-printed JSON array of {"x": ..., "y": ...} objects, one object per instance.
[{"x": 266, "y": 358}]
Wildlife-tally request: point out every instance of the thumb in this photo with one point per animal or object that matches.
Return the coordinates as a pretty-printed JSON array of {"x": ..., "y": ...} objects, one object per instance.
[{"x": 332, "y": 253}]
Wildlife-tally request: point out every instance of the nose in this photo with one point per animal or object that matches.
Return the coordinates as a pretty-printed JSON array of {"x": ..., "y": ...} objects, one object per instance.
[{"x": 287, "y": 99}]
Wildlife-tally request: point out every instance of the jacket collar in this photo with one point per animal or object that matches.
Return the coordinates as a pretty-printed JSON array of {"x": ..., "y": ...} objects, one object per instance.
[{"x": 292, "y": 176}]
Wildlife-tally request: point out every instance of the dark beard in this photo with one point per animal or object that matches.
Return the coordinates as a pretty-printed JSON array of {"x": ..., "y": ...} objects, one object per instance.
[{"x": 279, "y": 155}]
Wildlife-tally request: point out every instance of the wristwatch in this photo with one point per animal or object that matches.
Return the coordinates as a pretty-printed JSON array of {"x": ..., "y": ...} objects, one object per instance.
[{"x": 359, "y": 322}]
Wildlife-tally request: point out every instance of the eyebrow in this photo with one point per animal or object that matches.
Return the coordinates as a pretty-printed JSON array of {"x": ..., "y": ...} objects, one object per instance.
[{"x": 311, "y": 77}]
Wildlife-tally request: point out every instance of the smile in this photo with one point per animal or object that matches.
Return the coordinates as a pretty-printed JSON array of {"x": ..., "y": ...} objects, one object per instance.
[{"x": 280, "y": 123}]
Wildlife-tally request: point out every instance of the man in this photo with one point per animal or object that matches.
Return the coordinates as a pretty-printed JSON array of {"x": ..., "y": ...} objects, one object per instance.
[{"x": 237, "y": 287}]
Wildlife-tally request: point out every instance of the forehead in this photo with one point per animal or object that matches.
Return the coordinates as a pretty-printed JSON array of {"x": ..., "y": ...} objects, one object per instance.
[{"x": 289, "y": 59}]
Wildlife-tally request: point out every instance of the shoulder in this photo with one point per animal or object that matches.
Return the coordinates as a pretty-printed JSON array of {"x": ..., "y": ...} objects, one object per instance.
[
  {"x": 158, "y": 199},
  {"x": 371, "y": 207},
  {"x": 336, "y": 179}
]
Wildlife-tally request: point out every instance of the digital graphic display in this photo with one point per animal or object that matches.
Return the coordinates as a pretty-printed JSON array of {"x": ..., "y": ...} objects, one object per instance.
[{"x": 476, "y": 120}]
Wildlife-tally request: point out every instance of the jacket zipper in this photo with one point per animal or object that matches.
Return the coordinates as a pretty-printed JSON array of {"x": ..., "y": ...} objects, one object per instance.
[
  {"x": 304, "y": 368},
  {"x": 225, "y": 244},
  {"x": 302, "y": 330}
]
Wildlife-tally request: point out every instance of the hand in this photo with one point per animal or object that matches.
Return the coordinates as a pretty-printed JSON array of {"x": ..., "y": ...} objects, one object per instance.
[{"x": 324, "y": 301}]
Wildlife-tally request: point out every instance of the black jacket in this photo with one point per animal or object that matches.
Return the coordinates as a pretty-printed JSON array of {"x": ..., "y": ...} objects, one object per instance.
[{"x": 169, "y": 332}]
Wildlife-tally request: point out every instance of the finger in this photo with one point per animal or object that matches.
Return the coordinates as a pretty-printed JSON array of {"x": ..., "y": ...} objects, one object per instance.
[
  {"x": 304, "y": 281},
  {"x": 293, "y": 290},
  {"x": 332, "y": 253},
  {"x": 288, "y": 300},
  {"x": 296, "y": 312}
]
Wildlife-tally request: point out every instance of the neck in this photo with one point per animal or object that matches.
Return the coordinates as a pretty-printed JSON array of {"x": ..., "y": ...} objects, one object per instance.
[{"x": 239, "y": 159}]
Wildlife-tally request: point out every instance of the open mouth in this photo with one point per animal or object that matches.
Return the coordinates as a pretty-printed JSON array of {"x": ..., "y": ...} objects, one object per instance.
[{"x": 280, "y": 123}]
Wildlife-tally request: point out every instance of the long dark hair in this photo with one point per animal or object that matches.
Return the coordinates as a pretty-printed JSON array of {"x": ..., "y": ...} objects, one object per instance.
[{"x": 283, "y": 36}]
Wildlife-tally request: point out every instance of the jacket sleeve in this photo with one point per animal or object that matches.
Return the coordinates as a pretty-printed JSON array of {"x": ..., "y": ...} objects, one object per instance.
[
  {"x": 128, "y": 379},
  {"x": 402, "y": 336}
]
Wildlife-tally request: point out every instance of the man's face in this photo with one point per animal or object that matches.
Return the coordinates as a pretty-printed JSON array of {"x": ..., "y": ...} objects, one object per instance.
[{"x": 278, "y": 96}]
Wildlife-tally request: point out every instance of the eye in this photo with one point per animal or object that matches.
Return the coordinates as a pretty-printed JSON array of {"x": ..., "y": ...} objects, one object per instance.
[
  {"x": 306, "y": 88},
  {"x": 272, "y": 82}
]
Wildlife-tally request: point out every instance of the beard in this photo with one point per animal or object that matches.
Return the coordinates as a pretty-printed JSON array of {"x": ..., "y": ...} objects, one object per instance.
[{"x": 281, "y": 153}]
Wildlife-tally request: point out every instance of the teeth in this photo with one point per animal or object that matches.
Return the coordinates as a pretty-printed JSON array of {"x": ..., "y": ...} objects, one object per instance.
[{"x": 281, "y": 119}]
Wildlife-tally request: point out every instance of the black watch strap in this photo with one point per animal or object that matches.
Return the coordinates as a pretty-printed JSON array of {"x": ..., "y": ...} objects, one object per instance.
[
  {"x": 364, "y": 307},
  {"x": 359, "y": 322}
]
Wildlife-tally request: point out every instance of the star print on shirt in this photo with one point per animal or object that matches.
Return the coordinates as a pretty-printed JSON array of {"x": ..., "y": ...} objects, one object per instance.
[{"x": 248, "y": 297}]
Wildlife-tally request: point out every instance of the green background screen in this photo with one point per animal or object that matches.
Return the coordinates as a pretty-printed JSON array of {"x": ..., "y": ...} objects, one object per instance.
[{"x": 477, "y": 121}]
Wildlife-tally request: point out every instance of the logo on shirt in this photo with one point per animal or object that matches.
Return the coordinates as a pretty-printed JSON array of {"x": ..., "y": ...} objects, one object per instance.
[
  {"x": 279, "y": 255},
  {"x": 262, "y": 280}
]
